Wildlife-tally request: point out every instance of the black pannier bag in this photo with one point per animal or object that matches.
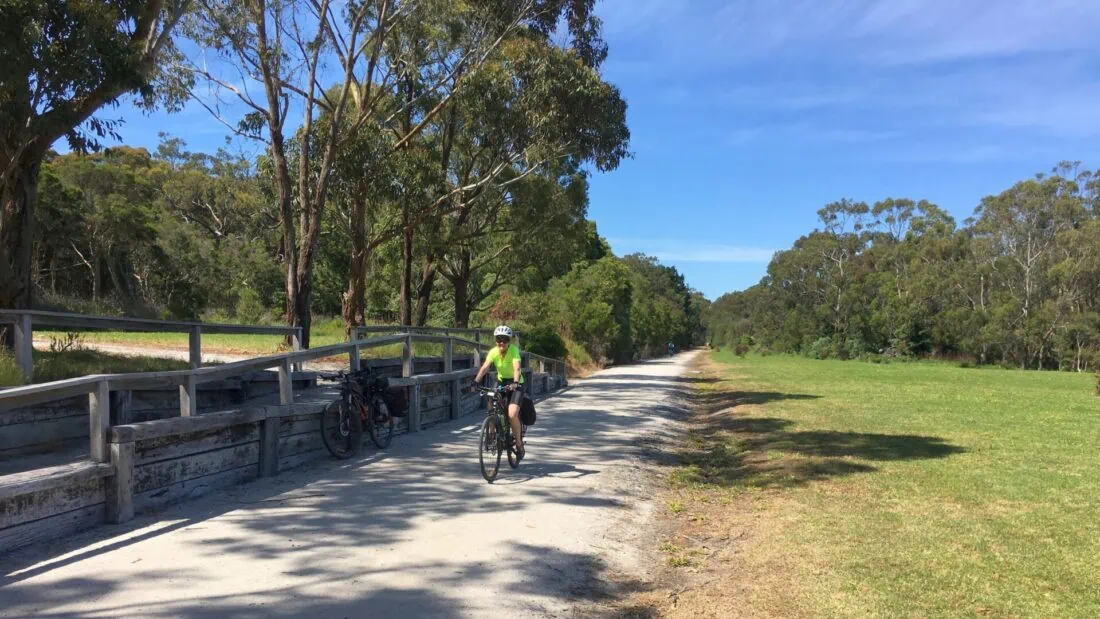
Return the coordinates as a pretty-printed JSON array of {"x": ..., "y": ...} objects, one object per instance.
[{"x": 527, "y": 412}]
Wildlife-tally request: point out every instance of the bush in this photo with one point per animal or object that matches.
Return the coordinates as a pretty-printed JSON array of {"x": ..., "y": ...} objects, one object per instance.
[
  {"x": 10, "y": 374},
  {"x": 854, "y": 348},
  {"x": 249, "y": 310},
  {"x": 544, "y": 341},
  {"x": 822, "y": 348}
]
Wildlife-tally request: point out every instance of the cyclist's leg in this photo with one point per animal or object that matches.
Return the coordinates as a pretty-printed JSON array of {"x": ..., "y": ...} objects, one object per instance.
[{"x": 513, "y": 417}]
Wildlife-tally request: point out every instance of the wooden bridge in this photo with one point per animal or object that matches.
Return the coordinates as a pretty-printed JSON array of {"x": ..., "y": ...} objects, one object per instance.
[{"x": 269, "y": 422}]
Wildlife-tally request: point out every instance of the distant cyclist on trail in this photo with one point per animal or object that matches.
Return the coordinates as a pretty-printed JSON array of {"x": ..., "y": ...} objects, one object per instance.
[
  {"x": 506, "y": 358},
  {"x": 671, "y": 349}
]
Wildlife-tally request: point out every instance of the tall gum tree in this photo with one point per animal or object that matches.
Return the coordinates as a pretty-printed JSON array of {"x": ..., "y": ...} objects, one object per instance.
[
  {"x": 283, "y": 56},
  {"x": 63, "y": 63}
]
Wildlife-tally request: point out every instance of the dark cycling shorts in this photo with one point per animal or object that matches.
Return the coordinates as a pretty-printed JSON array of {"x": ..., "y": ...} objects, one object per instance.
[{"x": 508, "y": 397}]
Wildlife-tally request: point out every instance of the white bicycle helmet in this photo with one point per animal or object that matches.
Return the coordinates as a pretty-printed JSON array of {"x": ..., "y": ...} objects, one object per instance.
[{"x": 503, "y": 330}]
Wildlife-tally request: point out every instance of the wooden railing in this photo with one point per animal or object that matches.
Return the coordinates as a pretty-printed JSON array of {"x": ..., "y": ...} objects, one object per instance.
[
  {"x": 476, "y": 334},
  {"x": 98, "y": 387},
  {"x": 26, "y": 320},
  {"x": 546, "y": 365}
]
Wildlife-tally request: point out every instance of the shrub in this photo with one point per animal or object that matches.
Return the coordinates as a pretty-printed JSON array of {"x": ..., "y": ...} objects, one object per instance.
[
  {"x": 544, "y": 341},
  {"x": 10, "y": 374},
  {"x": 249, "y": 310},
  {"x": 822, "y": 348}
]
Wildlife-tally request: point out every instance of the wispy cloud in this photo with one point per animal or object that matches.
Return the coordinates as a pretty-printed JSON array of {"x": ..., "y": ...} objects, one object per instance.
[
  {"x": 688, "y": 250},
  {"x": 1020, "y": 66}
]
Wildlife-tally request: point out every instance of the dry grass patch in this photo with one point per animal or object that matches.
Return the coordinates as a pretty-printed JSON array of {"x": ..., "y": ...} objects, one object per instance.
[{"x": 830, "y": 489}]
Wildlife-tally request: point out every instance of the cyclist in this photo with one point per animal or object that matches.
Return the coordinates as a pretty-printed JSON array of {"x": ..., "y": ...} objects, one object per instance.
[{"x": 506, "y": 358}]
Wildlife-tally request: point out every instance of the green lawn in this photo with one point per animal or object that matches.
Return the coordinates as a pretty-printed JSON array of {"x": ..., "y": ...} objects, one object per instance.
[
  {"x": 908, "y": 489},
  {"x": 50, "y": 366},
  {"x": 323, "y": 333}
]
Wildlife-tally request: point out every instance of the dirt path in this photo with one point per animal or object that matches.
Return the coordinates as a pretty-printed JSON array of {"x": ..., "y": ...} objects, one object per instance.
[
  {"x": 411, "y": 532},
  {"x": 182, "y": 354}
]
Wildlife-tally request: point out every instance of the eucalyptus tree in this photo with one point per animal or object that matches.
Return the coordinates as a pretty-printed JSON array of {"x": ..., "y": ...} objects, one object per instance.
[
  {"x": 396, "y": 64},
  {"x": 63, "y": 62}
]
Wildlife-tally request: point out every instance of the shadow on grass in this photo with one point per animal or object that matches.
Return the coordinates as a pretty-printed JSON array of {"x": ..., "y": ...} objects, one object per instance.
[{"x": 729, "y": 447}]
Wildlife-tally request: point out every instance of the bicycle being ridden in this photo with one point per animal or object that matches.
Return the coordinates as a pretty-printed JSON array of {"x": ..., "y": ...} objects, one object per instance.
[{"x": 505, "y": 356}]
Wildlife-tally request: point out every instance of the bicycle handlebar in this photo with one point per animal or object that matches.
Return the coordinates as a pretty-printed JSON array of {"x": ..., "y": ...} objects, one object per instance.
[{"x": 490, "y": 391}]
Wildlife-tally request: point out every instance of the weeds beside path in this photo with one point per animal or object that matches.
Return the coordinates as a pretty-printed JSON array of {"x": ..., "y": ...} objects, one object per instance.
[{"x": 831, "y": 489}]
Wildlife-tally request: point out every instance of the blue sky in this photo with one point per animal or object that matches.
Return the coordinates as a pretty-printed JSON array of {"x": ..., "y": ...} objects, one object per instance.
[{"x": 749, "y": 115}]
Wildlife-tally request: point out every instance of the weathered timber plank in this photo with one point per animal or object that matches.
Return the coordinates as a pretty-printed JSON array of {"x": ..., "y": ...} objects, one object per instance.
[
  {"x": 44, "y": 318},
  {"x": 299, "y": 409},
  {"x": 171, "y": 447},
  {"x": 289, "y": 462},
  {"x": 69, "y": 407},
  {"x": 168, "y": 473},
  {"x": 51, "y": 528},
  {"x": 191, "y": 488},
  {"x": 52, "y": 477},
  {"x": 301, "y": 443},
  {"x": 435, "y": 415},
  {"x": 299, "y": 425},
  {"x": 80, "y": 493},
  {"x": 186, "y": 425},
  {"x": 43, "y": 432},
  {"x": 434, "y": 401}
]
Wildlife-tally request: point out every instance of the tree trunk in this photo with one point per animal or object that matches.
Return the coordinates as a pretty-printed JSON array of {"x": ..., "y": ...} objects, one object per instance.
[
  {"x": 461, "y": 283},
  {"x": 462, "y": 305},
  {"x": 354, "y": 299},
  {"x": 18, "y": 196},
  {"x": 424, "y": 290},
  {"x": 97, "y": 277},
  {"x": 305, "y": 294},
  {"x": 406, "y": 266},
  {"x": 286, "y": 220}
]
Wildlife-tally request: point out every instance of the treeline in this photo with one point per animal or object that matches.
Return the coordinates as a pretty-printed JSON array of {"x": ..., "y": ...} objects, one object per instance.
[
  {"x": 441, "y": 146},
  {"x": 419, "y": 162},
  {"x": 194, "y": 236},
  {"x": 1017, "y": 284}
]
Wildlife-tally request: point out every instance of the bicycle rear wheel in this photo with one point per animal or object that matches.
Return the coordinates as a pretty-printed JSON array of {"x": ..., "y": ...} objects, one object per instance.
[
  {"x": 341, "y": 431},
  {"x": 488, "y": 450},
  {"x": 381, "y": 423}
]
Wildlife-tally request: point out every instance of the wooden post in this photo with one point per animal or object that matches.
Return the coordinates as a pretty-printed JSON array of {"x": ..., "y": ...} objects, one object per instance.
[
  {"x": 414, "y": 408},
  {"x": 286, "y": 387},
  {"x": 189, "y": 400},
  {"x": 269, "y": 446},
  {"x": 120, "y": 489},
  {"x": 24, "y": 345},
  {"x": 99, "y": 416},
  {"x": 449, "y": 366},
  {"x": 407, "y": 357},
  {"x": 542, "y": 365},
  {"x": 456, "y": 400},
  {"x": 353, "y": 358},
  {"x": 196, "y": 347},
  {"x": 121, "y": 407},
  {"x": 296, "y": 345}
]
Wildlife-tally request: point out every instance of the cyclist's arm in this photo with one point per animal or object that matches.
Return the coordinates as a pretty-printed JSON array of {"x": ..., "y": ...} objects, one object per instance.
[
  {"x": 515, "y": 369},
  {"x": 484, "y": 369}
]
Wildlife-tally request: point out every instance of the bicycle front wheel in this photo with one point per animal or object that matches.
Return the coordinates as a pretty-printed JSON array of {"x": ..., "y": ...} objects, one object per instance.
[
  {"x": 340, "y": 430},
  {"x": 488, "y": 450}
]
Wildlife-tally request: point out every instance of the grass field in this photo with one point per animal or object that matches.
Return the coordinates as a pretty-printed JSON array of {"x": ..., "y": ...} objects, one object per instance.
[
  {"x": 845, "y": 489},
  {"x": 50, "y": 366}
]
